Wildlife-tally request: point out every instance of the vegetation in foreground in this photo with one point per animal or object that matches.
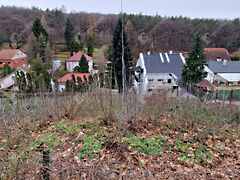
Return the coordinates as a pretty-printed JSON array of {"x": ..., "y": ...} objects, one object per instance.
[{"x": 163, "y": 138}]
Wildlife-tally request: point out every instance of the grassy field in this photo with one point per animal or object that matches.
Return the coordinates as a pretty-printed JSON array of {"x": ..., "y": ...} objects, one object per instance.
[{"x": 61, "y": 55}]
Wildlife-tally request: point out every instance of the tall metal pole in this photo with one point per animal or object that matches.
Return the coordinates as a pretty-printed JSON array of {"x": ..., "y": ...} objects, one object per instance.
[{"x": 123, "y": 75}]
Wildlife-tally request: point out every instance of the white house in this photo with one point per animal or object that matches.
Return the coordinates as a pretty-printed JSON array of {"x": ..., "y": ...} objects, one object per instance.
[
  {"x": 227, "y": 72},
  {"x": 10, "y": 80},
  {"x": 73, "y": 61},
  {"x": 158, "y": 71}
]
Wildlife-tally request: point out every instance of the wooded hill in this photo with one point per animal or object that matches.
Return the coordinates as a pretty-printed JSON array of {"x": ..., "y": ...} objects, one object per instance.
[{"x": 153, "y": 33}]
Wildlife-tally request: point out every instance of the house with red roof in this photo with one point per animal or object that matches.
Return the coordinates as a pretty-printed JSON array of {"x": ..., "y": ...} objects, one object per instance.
[
  {"x": 73, "y": 61},
  {"x": 217, "y": 54},
  {"x": 62, "y": 81},
  {"x": 14, "y": 57}
]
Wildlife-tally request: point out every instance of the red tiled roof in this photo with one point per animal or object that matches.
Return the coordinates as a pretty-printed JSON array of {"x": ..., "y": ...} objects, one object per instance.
[
  {"x": 77, "y": 56},
  {"x": 205, "y": 84},
  {"x": 8, "y": 53},
  {"x": 213, "y": 53},
  {"x": 69, "y": 77}
]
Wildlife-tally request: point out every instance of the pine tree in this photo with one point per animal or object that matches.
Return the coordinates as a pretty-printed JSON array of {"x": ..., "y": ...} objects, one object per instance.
[
  {"x": 42, "y": 46},
  {"x": 39, "y": 68},
  {"x": 76, "y": 44},
  {"x": 73, "y": 78},
  {"x": 90, "y": 79},
  {"x": 82, "y": 66},
  {"x": 116, "y": 57},
  {"x": 67, "y": 86},
  {"x": 90, "y": 48},
  {"x": 29, "y": 83},
  {"x": 38, "y": 29},
  {"x": 193, "y": 71},
  {"x": 68, "y": 34}
]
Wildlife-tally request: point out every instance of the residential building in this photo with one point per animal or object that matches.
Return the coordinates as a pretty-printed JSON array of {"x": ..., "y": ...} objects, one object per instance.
[
  {"x": 14, "y": 57},
  {"x": 9, "y": 81},
  {"x": 73, "y": 61},
  {"x": 62, "y": 81},
  {"x": 217, "y": 54},
  {"x": 225, "y": 72},
  {"x": 158, "y": 71}
]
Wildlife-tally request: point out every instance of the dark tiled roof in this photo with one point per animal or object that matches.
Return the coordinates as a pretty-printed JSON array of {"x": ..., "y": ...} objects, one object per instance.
[
  {"x": 213, "y": 53},
  {"x": 230, "y": 67},
  {"x": 154, "y": 64}
]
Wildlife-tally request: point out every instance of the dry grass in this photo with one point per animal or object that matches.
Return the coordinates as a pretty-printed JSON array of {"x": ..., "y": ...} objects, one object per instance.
[{"x": 157, "y": 114}]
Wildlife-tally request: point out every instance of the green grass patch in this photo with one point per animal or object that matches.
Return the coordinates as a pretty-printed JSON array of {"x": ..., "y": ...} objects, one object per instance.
[{"x": 145, "y": 145}]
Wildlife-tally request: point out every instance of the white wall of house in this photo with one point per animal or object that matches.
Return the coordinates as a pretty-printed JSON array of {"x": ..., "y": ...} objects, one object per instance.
[
  {"x": 230, "y": 77},
  {"x": 19, "y": 54},
  {"x": 61, "y": 87},
  {"x": 8, "y": 81},
  {"x": 72, "y": 65},
  {"x": 210, "y": 75}
]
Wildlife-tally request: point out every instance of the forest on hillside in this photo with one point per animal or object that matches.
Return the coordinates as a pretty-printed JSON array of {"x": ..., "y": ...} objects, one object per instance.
[{"x": 155, "y": 33}]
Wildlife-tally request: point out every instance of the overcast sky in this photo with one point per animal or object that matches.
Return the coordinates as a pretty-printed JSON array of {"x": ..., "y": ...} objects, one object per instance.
[{"x": 229, "y": 9}]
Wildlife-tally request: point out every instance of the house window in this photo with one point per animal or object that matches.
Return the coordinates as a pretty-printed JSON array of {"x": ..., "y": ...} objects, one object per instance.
[
  {"x": 160, "y": 80},
  {"x": 9, "y": 62},
  {"x": 0, "y": 62},
  {"x": 169, "y": 81},
  {"x": 150, "y": 80}
]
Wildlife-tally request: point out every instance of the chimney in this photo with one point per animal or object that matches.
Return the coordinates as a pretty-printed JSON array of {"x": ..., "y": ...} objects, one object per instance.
[
  {"x": 149, "y": 52},
  {"x": 224, "y": 62},
  {"x": 170, "y": 52}
]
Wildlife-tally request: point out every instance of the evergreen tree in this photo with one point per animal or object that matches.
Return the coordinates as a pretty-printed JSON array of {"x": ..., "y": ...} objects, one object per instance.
[
  {"x": 68, "y": 34},
  {"x": 6, "y": 70},
  {"x": 42, "y": 46},
  {"x": 85, "y": 78},
  {"x": 193, "y": 71},
  {"x": 73, "y": 78},
  {"x": 79, "y": 42},
  {"x": 21, "y": 81},
  {"x": 38, "y": 29},
  {"x": 116, "y": 57},
  {"x": 34, "y": 50},
  {"x": 29, "y": 83},
  {"x": 90, "y": 47},
  {"x": 67, "y": 86},
  {"x": 39, "y": 68},
  {"x": 76, "y": 44},
  {"x": 83, "y": 66},
  {"x": 90, "y": 79}
]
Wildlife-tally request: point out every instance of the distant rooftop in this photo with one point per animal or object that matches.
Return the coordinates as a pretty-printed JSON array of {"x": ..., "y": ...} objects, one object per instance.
[
  {"x": 77, "y": 56},
  {"x": 213, "y": 53},
  {"x": 164, "y": 63},
  {"x": 8, "y": 54},
  {"x": 230, "y": 67}
]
